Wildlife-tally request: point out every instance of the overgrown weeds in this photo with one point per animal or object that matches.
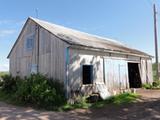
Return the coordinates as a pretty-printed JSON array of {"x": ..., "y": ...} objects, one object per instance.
[
  {"x": 35, "y": 90},
  {"x": 40, "y": 92}
]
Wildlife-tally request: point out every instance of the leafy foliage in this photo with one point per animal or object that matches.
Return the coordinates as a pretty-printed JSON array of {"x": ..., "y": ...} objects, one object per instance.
[
  {"x": 147, "y": 86},
  {"x": 9, "y": 84},
  {"x": 36, "y": 90},
  {"x": 154, "y": 85}
]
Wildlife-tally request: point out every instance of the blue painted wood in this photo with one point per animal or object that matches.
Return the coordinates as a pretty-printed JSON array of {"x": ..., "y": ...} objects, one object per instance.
[{"x": 66, "y": 83}]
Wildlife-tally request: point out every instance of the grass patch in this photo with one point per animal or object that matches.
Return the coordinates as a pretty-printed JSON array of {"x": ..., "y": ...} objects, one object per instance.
[
  {"x": 147, "y": 86},
  {"x": 120, "y": 99},
  {"x": 42, "y": 93},
  {"x": 3, "y": 73},
  {"x": 154, "y": 85},
  {"x": 81, "y": 104},
  {"x": 124, "y": 98}
]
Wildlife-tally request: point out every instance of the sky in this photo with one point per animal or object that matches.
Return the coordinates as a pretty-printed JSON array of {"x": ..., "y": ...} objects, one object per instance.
[{"x": 127, "y": 21}]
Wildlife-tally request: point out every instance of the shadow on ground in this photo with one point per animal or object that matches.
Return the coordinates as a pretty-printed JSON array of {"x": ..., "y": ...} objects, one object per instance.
[
  {"x": 150, "y": 109},
  {"x": 147, "y": 108}
]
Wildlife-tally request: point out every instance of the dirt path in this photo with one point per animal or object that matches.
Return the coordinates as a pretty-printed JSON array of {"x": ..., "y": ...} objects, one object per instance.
[{"x": 147, "y": 108}]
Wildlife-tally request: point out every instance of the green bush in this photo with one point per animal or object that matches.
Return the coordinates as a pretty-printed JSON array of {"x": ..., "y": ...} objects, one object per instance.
[
  {"x": 147, "y": 86},
  {"x": 36, "y": 90},
  {"x": 9, "y": 84},
  {"x": 154, "y": 85}
]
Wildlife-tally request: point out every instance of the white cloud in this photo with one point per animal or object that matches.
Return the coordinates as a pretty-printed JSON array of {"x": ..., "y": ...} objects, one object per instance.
[
  {"x": 5, "y": 21},
  {"x": 6, "y": 32},
  {"x": 11, "y": 22},
  {"x": 4, "y": 67}
]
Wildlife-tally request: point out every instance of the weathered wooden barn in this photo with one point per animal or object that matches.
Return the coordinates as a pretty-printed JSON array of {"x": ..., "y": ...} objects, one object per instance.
[{"x": 83, "y": 62}]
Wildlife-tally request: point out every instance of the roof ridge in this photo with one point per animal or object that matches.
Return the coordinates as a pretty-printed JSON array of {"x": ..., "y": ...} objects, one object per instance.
[{"x": 105, "y": 39}]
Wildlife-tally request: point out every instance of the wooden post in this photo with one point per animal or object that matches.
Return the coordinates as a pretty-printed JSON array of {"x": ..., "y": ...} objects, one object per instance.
[
  {"x": 38, "y": 50},
  {"x": 155, "y": 39}
]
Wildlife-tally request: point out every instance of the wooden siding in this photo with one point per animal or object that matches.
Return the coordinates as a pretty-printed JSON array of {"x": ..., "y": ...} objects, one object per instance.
[
  {"x": 20, "y": 59},
  {"x": 52, "y": 61},
  {"x": 51, "y": 54},
  {"x": 116, "y": 74},
  {"x": 146, "y": 71},
  {"x": 109, "y": 69},
  {"x": 149, "y": 71},
  {"x": 78, "y": 58}
]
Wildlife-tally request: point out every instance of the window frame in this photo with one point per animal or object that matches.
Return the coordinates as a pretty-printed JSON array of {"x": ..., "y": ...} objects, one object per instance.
[{"x": 29, "y": 42}]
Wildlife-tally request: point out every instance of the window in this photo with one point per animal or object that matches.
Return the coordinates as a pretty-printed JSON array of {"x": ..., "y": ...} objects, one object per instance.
[
  {"x": 29, "y": 43},
  {"x": 87, "y": 74}
]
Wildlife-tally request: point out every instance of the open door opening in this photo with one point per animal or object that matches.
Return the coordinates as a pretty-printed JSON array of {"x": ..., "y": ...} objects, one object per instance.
[{"x": 134, "y": 75}]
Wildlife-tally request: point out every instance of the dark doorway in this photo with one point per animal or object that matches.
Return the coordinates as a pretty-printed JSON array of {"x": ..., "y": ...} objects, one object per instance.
[
  {"x": 134, "y": 75},
  {"x": 87, "y": 74}
]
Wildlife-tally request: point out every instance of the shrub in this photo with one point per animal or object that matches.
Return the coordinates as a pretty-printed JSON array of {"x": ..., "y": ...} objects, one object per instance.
[
  {"x": 34, "y": 90},
  {"x": 41, "y": 92},
  {"x": 9, "y": 84},
  {"x": 154, "y": 85},
  {"x": 147, "y": 86}
]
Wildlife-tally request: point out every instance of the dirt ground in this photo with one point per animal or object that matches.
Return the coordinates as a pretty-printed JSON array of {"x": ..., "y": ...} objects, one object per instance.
[{"x": 148, "y": 108}]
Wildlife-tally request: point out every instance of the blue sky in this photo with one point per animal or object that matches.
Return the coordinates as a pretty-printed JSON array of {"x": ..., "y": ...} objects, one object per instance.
[{"x": 128, "y": 21}]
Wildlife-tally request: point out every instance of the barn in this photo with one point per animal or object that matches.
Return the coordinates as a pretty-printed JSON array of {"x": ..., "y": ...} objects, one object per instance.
[{"x": 81, "y": 61}]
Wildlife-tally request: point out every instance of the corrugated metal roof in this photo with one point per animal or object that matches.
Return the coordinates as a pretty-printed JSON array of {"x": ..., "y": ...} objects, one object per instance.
[
  {"x": 75, "y": 37},
  {"x": 85, "y": 39}
]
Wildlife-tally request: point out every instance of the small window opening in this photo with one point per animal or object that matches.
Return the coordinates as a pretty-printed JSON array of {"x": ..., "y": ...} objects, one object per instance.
[
  {"x": 87, "y": 74},
  {"x": 29, "y": 42}
]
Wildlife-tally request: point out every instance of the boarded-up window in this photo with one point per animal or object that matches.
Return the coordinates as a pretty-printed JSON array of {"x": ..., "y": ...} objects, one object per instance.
[
  {"x": 87, "y": 74},
  {"x": 29, "y": 42}
]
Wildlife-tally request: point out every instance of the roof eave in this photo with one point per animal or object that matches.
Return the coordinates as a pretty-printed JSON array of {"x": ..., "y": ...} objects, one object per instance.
[{"x": 109, "y": 51}]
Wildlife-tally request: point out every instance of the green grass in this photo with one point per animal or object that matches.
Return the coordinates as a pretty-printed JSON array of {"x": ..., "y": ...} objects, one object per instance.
[
  {"x": 154, "y": 85},
  {"x": 3, "y": 73},
  {"x": 81, "y": 104},
  {"x": 37, "y": 91},
  {"x": 120, "y": 99},
  {"x": 147, "y": 86}
]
